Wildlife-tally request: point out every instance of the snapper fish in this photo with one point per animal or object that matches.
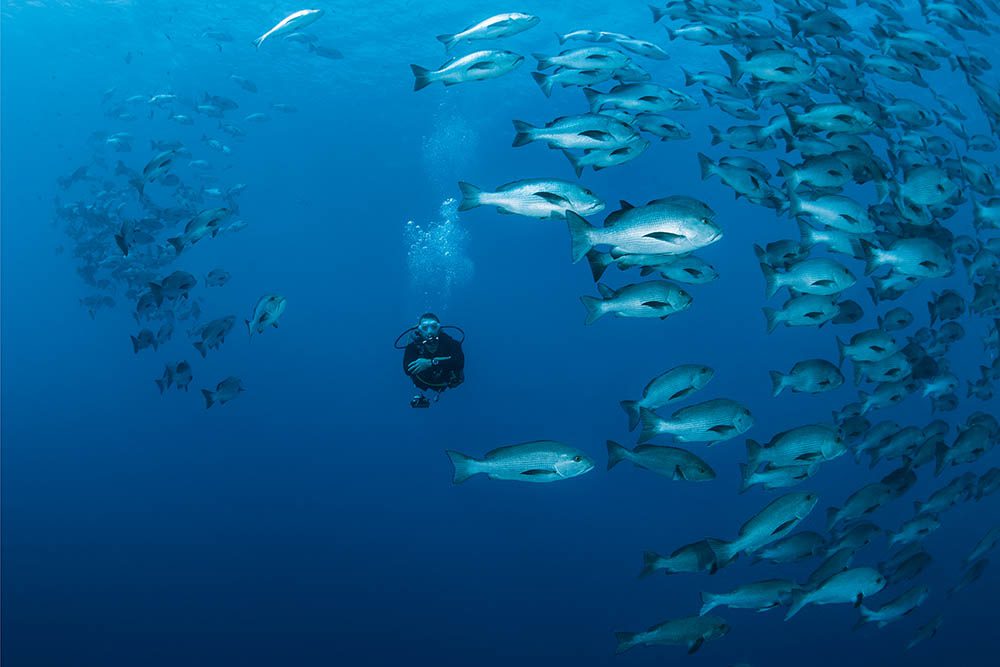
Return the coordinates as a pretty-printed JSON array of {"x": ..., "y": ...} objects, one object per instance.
[
  {"x": 662, "y": 227},
  {"x": 776, "y": 520},
  {"x": 494, "y": 27},
  {"x": 266, "y": 313},
  {"x": 653, "y": 298},
  {"x": 224, "y": 392},
  {"x": 691, "y": 632},
  {"x": 477, "y": 66},
  {"x": 712, "y": 421},
  {"x": 849, "y": 586},
  {"x": 671, "y": 462},
  {"x": 534, "y": 198},
  {"x": 595, "y": 57},
  {"x": 674, "y": 385},
  {"x": 538, "y": 461},
  {"x": 175, "y": 374},
  {"x": 291, "y": 23}
]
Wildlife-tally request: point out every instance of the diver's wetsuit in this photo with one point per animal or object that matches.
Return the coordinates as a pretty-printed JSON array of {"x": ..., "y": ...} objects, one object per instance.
[{"x": 448, "y": 373}]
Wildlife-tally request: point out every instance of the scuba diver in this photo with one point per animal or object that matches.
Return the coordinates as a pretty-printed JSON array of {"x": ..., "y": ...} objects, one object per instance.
[{"x": 433, "y": 360}]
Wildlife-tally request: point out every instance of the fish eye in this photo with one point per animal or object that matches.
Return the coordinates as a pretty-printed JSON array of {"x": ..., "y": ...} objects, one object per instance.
[{"x": 577, "y": 458}]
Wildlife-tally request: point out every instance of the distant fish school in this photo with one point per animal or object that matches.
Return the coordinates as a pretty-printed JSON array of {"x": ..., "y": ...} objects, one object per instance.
[{"x": 888, "y": 181}]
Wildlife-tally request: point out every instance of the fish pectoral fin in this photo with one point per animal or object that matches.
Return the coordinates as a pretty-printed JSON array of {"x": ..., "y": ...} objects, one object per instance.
[
  {"x": 679, "y": 473},
  {"x": 808, "y": 456},
  {"x": 595, "y": 134},
  {"x": 859, "y": 600},
  {"x": 552, "y": 197},
  {"x": 785, "y": 526},
  {"x": 536, "y": 471},
  {"x": 823, "y": 283},
  {"x": 655, "y": 304},
  {"x": 722, "y": 429},
  {"x": 678, "y": 394},
  {"x": 484, "y": 65},
  {"x": 666, "y": 237},
  {"x": 695, "y": 645}
]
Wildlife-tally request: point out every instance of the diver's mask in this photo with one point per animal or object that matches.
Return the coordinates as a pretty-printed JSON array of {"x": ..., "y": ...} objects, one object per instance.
[{"x": 428, "y": 333}]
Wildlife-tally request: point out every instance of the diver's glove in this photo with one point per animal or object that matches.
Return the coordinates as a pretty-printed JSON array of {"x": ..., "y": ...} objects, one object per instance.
[{"x": 419, "y": 365}]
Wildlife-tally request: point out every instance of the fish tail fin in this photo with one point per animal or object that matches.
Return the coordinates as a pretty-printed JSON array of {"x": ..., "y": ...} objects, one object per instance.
[
  {"x": 593, "y": 99},
  {"x": 626, "y": 640},
  {"x": 178, "y": 243},
  {"x": 746, "y": 472},
  {"x": 574, "y": 162},
  {"x": 807, "y": 235},
  {"x": 579, "y": 233},
  {"x": 524, "y": 133},
  {"x": 753, "y": 453},
  {"x": 777, "y": 382},
  {"x": 689, "y": 81},
  {"x": 595, "y": 308},
  {"x": 772, "y": 281},
  {"x": 465, "y": 466},
  {"x": 631, "y": 408},
  {"x": 543, "y": 61},
  {"x": 794, "y": 24},
  {"x": 561, "y": 38},
  {"x": 799, "y": 600},
  {"x": 658, "y": 12},
  {"x": 831, "y": 517},
  {"x": 794, "y": 124},
  {"x": 421, "y": 77},
  {"x": 716, "y": 134},
  {"x": 209, "y": 398},
  {"x": 706, "y": 165},
  {"x": 200, "y": 346},
  {"x": 650, "y": 425},
  {"x": 724, "y": 552},
  {"x": 260, "y": 40},
  {"x": 448, "y": 41},
  {"x": 616, "y": 454},
  {"x": 940, "y": 458},
  {"x": 599, "y": 263},
  {"x": 650, "y": 562},
  {"x": 470, "y": 196},
  {"x": 161, "y": 384},
  {"x": 709, "y": 601},
  {"x": 157, "y": 291},
  {"x": 872, "y": 256},
  {"x": 771, "y": 316},
  {"x": 135, "y": 345},
  {"x": 544, "y": 82},
  {"x": 735, "y": 72}
]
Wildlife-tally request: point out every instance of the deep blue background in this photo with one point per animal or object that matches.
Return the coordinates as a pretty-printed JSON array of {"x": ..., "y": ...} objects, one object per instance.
[{"x": 313, "y": 519}]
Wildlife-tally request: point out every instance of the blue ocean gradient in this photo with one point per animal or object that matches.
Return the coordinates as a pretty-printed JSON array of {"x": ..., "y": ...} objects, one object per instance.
[{"x": 313, "y": 521}]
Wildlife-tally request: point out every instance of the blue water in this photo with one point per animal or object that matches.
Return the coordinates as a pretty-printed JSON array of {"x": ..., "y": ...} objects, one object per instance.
[{"x": 313, "y": 520}]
